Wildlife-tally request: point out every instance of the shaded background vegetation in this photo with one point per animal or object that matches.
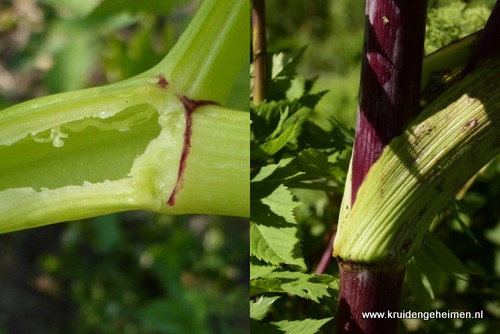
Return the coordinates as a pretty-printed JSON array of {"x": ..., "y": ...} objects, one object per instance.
[
  {"x": 135, "y": 272},
  {"x": 469, "y": 226}
]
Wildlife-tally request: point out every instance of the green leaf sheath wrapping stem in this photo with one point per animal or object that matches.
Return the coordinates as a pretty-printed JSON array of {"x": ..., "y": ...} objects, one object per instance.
[
  {"x": 211, "y": 52},
  {"x": 151, "y": 142},
  {"x": 419, "y": 171}
]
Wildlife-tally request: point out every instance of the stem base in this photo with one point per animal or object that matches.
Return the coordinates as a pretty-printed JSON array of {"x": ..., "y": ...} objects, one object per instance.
[{"x": 368, "y": 289}]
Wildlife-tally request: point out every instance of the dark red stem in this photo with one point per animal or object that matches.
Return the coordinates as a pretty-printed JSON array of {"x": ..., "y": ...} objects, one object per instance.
[
  {"x": 389, "y": 98},
  {"x": 390, "y": 78},
  {"x": 489, "y": 42},
  {"x": 369, "y": 290},
  {"x": 326, "y": 257}
]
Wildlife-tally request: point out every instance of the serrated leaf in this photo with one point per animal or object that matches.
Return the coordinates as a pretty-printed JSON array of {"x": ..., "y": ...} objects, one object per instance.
[
  {"x": 272, "y": 146},
  {"x": 273, "y": 231},
  {"x": 284, "y": 69},
  {"x": 307, "y": 326},
  {"x": 258, "y": 270},
  {"x": 275, "y": 245},
  {"x": 281, "y": 201},
  {"x": 314, "y": 163},
  {"x": 265, "y": 285},
  {"x": 263, "y": 328},
  {"x": 311, "y": 100},
  {"x": 305, "y": 285},
  {"x": 267, "y": 171},
  {"x": 297, "y": 88},
  {"x": 309, "y": 286},
  {"x": 260, "y": 307}
]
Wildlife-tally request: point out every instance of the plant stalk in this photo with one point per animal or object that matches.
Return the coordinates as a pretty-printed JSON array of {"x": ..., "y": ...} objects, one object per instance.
[
  {"x": 489, "y": 43},
  {"x": 368, "y": 289},
  {"x": 389, "y": 98},
  {"x": 259, "y": 47},
  {"x": 390, "y": 78},
  {"x": 159, "y": 141}
]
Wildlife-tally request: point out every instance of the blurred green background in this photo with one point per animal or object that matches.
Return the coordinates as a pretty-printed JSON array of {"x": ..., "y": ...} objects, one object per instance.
[
  {"x": 469, "y": 226},
  {"x": 135, "y": 272}
]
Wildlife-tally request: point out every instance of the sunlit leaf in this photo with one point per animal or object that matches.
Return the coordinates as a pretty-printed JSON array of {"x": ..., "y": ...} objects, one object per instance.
[{"x": 260, "y": 307}]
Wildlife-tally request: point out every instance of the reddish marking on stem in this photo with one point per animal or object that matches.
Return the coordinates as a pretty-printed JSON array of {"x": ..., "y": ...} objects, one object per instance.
[
  {"x": 190, "y": 107},
  {"x": 162, "y": 82}
]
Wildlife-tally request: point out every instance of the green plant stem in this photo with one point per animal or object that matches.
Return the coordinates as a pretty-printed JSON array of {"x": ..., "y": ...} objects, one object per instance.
[
  {"x": 159, "y": 141},
  {"x": 259, "y": 50}
]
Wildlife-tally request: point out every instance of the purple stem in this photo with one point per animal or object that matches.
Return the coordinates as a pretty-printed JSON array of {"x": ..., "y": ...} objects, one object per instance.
[
  {"x": 389, "y": 98},
  {"x": 369, "y": 290},
  {"x": 489, "y": 42},
  {"x": 390, "y": 78},
  {"x": 326, "y": 257}
]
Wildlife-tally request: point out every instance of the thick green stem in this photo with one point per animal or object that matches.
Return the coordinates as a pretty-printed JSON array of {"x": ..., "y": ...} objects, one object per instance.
[{"x": 159, "y": 141}]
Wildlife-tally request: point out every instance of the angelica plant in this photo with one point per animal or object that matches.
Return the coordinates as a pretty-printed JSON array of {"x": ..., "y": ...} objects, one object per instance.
[
  {"x": 425, "y": 126},
  {"x": 160, "y": 141}
]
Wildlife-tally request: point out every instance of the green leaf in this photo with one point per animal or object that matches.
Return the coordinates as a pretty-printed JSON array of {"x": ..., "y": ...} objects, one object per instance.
[
  {"x": 431, "y": 275},
  {"x": 258, "y": 269},
  {"x": 426, "y": 271},
  {"x": 273, "y": 231},
  {"x": 307, "y": 326},
  {"x": 265, "y": 285},
  {"x": 444, "y": 257},
  {"x": 260, "y": 307},
  {"x": 309, "y": 286},
  {"x": 272, "y": 146},
  {"x": 284, "y": 69},
  {"x": 282, "y": 202},
  {"x": 263, "y": 328},
  {"x": 268, "y": 172},
  {"x": 79, "y": 48},
  {"x": 420, "y": 292},
  {"x": 275, "y": 245}
]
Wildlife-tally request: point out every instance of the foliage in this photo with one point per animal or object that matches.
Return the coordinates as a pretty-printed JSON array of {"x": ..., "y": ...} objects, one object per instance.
[
  {"x": 291, "y": 156},
  {"x": 150, "y": 272},
  {"x": 448, "y": 23}
]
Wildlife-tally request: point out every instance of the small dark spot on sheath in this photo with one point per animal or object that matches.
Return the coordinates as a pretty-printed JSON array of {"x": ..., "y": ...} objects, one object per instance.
[
  {"x": 470, "y": 124},
  {"x": 162, "y": 82},
  {"x": 407, "y": 244}
]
